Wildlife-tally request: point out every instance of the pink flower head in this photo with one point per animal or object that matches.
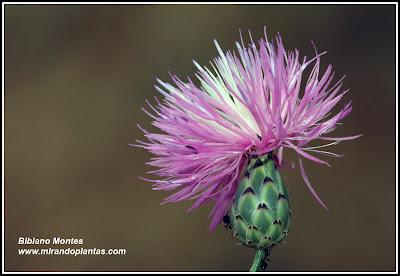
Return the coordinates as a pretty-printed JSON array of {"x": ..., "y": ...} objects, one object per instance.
[{"x": 246, "y": 103}]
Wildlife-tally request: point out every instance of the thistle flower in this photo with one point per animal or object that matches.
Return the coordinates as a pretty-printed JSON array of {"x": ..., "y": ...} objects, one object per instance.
[{"x": 248, "y": 107}]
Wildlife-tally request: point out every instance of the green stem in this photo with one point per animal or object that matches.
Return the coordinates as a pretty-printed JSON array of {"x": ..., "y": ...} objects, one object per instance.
[{"x": 258, "y": 261}]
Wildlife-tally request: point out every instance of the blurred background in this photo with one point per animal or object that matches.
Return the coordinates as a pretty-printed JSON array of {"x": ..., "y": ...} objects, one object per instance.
[{"x": 76, "y": 77}]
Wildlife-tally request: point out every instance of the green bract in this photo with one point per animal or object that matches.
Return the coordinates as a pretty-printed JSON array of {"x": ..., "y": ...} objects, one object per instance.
[{"x": 260, "y": 214}]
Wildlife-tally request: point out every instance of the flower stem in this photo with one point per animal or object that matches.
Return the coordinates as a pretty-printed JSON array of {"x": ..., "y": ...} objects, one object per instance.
[{"x": 259, "y": 259}]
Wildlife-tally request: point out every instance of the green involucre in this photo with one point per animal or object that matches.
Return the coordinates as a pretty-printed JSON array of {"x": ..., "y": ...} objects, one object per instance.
[{"x": 260, "y": 214}]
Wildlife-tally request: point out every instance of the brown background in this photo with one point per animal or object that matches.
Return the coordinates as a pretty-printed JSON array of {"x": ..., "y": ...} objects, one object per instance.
[{"x": 76, "y": 77}]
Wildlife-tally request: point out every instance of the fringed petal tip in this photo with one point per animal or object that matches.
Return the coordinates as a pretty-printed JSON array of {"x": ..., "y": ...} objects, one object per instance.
[{"x": 303, "y": 173}]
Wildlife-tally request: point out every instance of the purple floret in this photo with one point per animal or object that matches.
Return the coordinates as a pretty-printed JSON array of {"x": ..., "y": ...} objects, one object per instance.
[{"x": 249, "y": 103}]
